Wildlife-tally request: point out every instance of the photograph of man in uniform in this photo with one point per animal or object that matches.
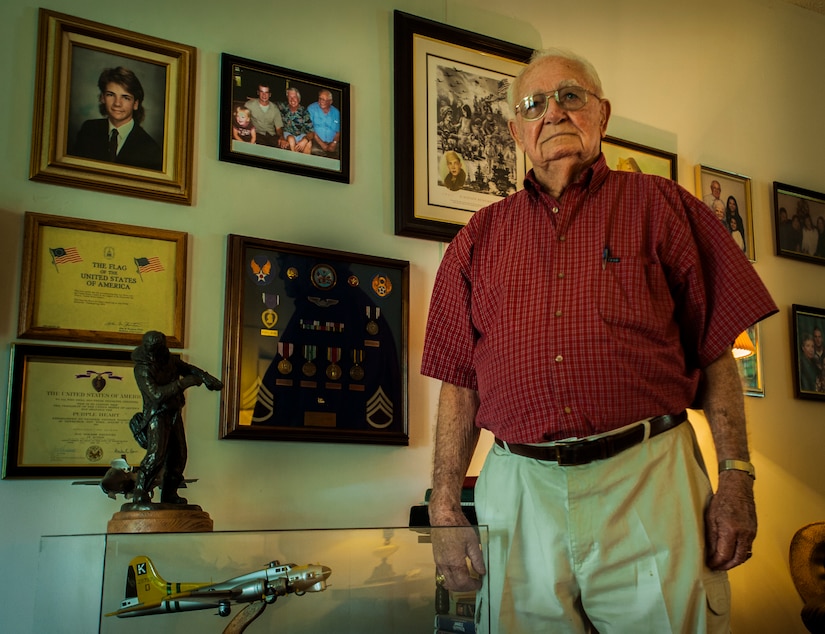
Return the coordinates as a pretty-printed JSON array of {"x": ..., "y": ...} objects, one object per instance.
[{"x": 127, "y": 132}]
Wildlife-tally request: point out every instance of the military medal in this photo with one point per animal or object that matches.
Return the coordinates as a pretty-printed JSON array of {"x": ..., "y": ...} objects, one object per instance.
[
  {"x": 333, "y": 369},
  {"x": 356, "y": 372},
  {"x": 309, "y": 367},
  {"x": 285, "y": 350},
  {"x": 323, "y": 277},
  {"x": 372, "y": 325}
]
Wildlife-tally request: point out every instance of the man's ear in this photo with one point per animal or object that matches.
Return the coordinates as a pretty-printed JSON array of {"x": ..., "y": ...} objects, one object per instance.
[
  {"x": 606, "y": 109},
  {"x": 514, "y": 132}
]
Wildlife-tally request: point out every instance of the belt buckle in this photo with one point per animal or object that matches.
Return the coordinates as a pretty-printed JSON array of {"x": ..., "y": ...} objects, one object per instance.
[{"x": 567, "y": 452}]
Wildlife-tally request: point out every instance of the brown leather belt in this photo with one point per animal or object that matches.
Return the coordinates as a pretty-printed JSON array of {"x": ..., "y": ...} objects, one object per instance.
[{"x": 578, "y": 452}]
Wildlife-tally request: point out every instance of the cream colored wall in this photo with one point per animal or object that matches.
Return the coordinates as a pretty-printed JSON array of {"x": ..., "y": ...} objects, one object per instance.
[{"x": 732, "y": 84}]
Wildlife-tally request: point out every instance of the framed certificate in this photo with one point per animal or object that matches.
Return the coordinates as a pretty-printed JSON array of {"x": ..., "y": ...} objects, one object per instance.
[
  {"x": 68, "y": 411},
  {"x": 101, "y": 282}
]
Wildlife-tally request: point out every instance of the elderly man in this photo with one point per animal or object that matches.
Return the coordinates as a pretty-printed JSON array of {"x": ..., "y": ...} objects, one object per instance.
[
  {"x": 266, "y": 117},
  {"x": 326, "y": 121},
  {"x": 599, "y": 509},
  {"x": 298, "y": 130}
]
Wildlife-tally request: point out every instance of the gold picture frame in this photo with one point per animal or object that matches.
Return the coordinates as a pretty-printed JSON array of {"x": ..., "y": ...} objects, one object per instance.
[
  {"x": 628, "y": 156},
  {"x": 69, "y": 133},
  {"x": 101, "y": 282},
  {"x": 732, "y": 186},
  {"x": 68, "y": 411}
]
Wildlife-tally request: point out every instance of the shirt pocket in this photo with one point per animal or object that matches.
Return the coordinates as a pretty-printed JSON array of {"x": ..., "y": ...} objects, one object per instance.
[{"x": 633, "y": 294}]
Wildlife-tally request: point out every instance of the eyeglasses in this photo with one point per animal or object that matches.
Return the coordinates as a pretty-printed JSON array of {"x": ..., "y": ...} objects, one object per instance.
[{"x": 570, "y": 98}]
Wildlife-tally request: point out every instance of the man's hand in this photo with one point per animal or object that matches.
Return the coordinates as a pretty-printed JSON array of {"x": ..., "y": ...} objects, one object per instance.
[
  {"x": 730, "y": 521},
  {"x": 453, "y": 544}
]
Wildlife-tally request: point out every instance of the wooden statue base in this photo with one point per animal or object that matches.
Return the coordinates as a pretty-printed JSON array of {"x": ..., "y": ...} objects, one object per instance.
[{"x": 161, "y": 518}]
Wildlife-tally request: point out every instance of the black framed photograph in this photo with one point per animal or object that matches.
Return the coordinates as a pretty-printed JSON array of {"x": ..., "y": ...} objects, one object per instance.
[
  {"x": 284, "y": 120},
  {"x": 114, "y": 110},
  {"x": 453, "y": 151},
  {"x": 627, "y": 156},
  {"x": 799, "y": 223},
  {"x": 808, "y": 352},
  {"x": 315, "y": 344},
  {"x": 728, "y": 195},
  {"x": 69, "y": 410}
]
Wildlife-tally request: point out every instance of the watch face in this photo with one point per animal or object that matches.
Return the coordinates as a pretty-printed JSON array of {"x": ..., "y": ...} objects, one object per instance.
[{"x": 323, "y": 276}]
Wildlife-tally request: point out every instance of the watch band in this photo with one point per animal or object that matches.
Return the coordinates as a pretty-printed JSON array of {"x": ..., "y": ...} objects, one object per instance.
[{"x": 737, "y": 465}]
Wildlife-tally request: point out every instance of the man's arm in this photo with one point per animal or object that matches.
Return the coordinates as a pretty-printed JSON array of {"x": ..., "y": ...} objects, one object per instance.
[
  {"x": 730, "y": 519},
  {"x": 456, "y": 436}
]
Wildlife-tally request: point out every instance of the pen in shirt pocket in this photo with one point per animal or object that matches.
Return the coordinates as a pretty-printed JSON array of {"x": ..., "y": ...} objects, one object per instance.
[{"x": 607, "y": 258}]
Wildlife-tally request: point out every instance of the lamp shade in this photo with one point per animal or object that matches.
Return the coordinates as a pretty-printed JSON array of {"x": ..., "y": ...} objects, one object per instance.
[{"x": 743, "y": 346}]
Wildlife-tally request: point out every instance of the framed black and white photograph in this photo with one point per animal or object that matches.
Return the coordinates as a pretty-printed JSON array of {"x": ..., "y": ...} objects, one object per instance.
[
  {"x": 453, "y": 151},
  {"x": 315, "y": 344},
  {"x": 285, "y": 120},
  {"x": 114, "y": 110},
  {"x": 808, "y": 353},
  {"x": 729, "y": 196},
  {"x": 799, "y": 223}
]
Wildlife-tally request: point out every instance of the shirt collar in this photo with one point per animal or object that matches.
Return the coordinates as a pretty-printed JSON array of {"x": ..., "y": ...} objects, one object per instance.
[{"x": 592, "y": 178}]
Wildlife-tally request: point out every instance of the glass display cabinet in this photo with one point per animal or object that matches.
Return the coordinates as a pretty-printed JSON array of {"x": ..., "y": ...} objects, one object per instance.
[{"x": 308, "y": 581}]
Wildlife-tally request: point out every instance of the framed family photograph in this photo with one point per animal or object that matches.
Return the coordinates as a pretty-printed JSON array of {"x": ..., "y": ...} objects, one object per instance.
[
  {"x": 626, "y": 156},
  {"x": 799, "y": 223},
  {"x": 68, "y": 411},
  {"x": 807, "y": 351},
  {"x": 315, "y": 345},
  {"x": 284, "y": 120},
  {"x": 101, "y": 282},
  {"x": 453, "y": 150},
  {"x": 729, "y": 196},
  {"x": 114, "y": 110}
]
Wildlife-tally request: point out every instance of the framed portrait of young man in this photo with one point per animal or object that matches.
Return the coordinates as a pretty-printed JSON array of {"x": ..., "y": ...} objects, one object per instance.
[{"x": 114, "y": 110}]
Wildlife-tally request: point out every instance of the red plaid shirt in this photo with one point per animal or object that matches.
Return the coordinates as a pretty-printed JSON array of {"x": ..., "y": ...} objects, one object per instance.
[{"x": 577, "y": 316}]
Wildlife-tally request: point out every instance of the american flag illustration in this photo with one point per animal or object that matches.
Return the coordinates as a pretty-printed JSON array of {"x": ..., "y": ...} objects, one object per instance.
[
  {"x": 148, "y": 265},
  {"x": 66, "y": 255}
]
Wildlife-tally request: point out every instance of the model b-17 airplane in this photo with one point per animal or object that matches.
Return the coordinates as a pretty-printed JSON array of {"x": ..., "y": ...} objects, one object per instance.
[{"x": 148, "y": 593}]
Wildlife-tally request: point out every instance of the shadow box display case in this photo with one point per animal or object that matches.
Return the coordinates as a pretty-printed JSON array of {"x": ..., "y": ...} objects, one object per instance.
[{"x": 330, "y": 580}]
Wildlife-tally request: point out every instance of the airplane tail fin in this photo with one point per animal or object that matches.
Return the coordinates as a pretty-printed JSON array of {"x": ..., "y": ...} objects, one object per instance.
[{"x": 143, "y": 583}]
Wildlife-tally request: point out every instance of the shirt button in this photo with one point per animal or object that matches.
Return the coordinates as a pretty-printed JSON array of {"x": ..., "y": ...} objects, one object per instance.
[
  {"x": 558, "y": 313},
  {"x": 561, "y": 276},
  {"x": 562, "y": 238},
  {"x": 567, "y": 410},
  {"x": 555, "y": 210},
  {"x": 559, "y": 359}
]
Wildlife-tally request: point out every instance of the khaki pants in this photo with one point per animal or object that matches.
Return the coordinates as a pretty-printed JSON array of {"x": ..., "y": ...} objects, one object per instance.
[{"x": 616, "y": 546}]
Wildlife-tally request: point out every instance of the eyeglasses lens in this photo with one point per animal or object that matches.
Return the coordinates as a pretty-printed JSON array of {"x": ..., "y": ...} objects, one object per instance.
[{"x": 570, "y": 98}]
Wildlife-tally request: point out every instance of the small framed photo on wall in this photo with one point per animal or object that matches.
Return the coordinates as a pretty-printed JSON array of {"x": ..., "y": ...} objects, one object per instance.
[
  {"x": 729, "y": 196},
  {"x": 284, "y": 120},
  {"x": 799, "y": 223},
  {"x": 808, "y": 351}
]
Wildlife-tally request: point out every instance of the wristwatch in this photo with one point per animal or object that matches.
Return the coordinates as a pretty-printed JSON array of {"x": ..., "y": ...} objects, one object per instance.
[{"x": 737, "y": 465}]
